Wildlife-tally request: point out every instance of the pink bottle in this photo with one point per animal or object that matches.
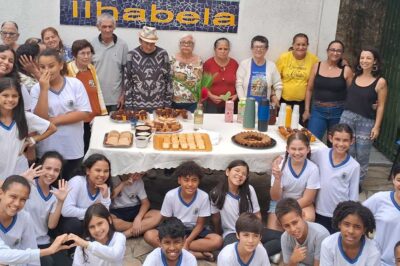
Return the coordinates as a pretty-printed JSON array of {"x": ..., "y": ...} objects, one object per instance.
[{"x": 229, "y": 107}]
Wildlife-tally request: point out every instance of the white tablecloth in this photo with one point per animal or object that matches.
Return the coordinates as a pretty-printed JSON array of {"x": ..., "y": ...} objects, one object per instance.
[{"x": 130, "y": 160}]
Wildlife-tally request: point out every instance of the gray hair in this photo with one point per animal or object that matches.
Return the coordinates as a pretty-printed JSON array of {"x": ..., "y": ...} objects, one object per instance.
[
  {"x": 105, "y": 16},
  {"x": 187, "y": 35}
]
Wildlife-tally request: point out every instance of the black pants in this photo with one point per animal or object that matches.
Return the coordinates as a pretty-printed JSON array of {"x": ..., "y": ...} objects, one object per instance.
[
  {"x": 301, "y": 105},
  {"x": 271, "y": 240},
  {"x": 325, "y": 222},
  {"x": 58, "y": 259},
  {"x": 70, "y": 167}
]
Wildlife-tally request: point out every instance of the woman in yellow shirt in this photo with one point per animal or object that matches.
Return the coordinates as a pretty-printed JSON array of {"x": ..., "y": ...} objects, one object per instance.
[{"x": 295, "y": 67}]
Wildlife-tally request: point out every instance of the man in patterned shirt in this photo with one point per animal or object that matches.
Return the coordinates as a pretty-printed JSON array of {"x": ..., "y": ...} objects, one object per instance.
[{"x": 148, "y": 82}]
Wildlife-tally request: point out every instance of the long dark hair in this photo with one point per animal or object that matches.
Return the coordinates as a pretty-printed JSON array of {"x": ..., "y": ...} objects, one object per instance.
[
  {"x": 378, "y": 65},
  {"x": 219, "y": 192},
  {"x": 98, "y": 210},
  {"x": 18, "y": 112},
  {"x": 90, "y": 161}
]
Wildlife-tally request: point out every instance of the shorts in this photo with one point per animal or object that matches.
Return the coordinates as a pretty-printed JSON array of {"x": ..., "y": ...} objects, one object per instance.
[
  {"x": 202, "y": 234},
  {"x": 127, "y": 214},
  {"x": 272, "y": 206}
]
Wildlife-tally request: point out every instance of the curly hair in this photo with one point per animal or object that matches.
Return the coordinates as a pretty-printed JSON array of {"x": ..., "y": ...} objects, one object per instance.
[
  {"x": 345, "y": 208},
  {"x": 188, "y": 168}
]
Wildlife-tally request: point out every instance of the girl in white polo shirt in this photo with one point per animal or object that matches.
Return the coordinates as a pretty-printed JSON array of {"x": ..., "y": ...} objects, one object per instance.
[
  {"x": 340, "y": 174},
  {"x": 45, "y": 201},
  {"x": 234, "y": 196},
  {"x": 351, "y": 245},
  {"x": 101, "y": 245},
  {"x": 89, "y": 187},
  {"x": 385, "y": 206},
  {"x": 296, "y": 177},
  {"x": 64, "y": 102}
]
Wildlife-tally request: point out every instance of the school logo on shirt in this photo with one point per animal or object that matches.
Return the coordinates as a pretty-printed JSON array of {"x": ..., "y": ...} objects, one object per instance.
[
  {"x": 17, "y": 242},
  {"x": 344, "y": 175},
  {"x": 91, "y": 83},
  {"x": 196, "y": 211},
  {"x": 132, "y": 196},
  {"x": 70, "y": 103}
]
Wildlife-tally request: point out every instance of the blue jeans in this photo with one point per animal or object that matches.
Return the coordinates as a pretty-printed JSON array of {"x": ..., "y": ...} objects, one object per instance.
[
  {"x": 361, "y": 148},
  {"x": 323, "y": 118}
]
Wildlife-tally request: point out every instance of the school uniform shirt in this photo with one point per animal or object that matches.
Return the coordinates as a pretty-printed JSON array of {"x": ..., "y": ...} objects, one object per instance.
[
  {"x": 229, "y": 255},
  {"x": 79, "y": 198},
  {"x": 387, "y": 216},
  {"x": 10, "y": 145},
  {"x": 111, "y": 254},
  {"x": 332, "y": 253},
  {"x": 316, "y": 233},
  {"x": 174, "y": 205},
  {"x": 68, "y": 140},
  {"x": 10, "y": 256},
  {"x": 293, "y": 185},
  {"x": 130, "y": 196},
  {"x": 157, "y": 258},
  {"x": 19, "y": 234},
  {"x": 40, "y": 207},
  {"x": 338, "y": 182},
  {"x": 230, "y": 211}
]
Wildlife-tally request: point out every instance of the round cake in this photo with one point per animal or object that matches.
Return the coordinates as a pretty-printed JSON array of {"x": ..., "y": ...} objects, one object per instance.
[{"x": 252, "y": 139}]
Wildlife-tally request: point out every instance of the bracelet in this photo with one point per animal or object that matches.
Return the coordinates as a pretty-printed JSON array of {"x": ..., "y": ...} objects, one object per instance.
[{"x": 32, "y": 140}]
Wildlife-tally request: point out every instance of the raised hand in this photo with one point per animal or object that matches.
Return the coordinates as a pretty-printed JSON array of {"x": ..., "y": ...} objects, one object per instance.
[
  {"x": 33, "y": 172},
  {"x": 62, "y": 191},
  {"x": 77, "y": 241},
  {"x": 276, "y": 170},
  {"x": 103, "y": 190},
  {"x": 59, "y": 244},
  {"x": 44, "y": 81}
]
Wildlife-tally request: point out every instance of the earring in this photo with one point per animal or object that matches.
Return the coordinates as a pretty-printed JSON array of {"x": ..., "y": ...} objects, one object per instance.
[
  {"x": 375, "y": 67},
  {"x": 359, "y": 67}
]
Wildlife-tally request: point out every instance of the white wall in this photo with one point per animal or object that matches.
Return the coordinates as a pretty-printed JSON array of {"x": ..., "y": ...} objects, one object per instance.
[{"x": 278, "y": 20}]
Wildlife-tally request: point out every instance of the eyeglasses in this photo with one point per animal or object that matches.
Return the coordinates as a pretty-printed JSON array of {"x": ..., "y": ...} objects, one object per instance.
[
  {"x": 338, "y": 51},
  {"x": 11, "y": 34},
  {"x": 183, "y": 43},
  {"x": 259, "y": 47},
  {"x": 85, "y": 53}
]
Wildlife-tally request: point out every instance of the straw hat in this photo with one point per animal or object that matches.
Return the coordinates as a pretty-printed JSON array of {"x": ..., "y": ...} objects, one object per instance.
[{"x": 148, "y": 34}]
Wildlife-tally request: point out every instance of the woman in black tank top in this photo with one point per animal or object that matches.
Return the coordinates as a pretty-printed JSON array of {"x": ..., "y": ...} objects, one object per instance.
[
  {"x": 364, "y": 106},
  {"x": 327, "y": 85}
]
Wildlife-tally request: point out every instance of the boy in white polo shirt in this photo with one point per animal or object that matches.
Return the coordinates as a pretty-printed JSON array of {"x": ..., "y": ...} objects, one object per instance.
[
  {"x": 248, "y": 250},
  {"x": 301, "y": 241},
  {"x": 170, "y": 252},
  {"x": 192, "y": 206}
]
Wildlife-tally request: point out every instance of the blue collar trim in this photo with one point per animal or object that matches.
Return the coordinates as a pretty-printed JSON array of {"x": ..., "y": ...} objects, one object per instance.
[
  {"x": 339, "y": 164},
  {"x": 351, "y": 261},
  {"x": 236, "y": 197},
  {"x": 41, "y": 191},
  {"x": 241, "y": 263},
  {"x": 7, "y": 229},
  {"x": 92, "y": 197},
  {"x": 292, "y": 170},
  {"x": 62, "y": 88},
  {"x": 7, "y": 127},
  {"x": 183, "y": 201},
  {"x": 394, "y": 200}
]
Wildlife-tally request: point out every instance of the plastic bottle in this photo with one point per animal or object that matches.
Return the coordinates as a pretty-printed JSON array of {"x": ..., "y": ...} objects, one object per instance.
[
  {"x": 282, "y": 115},
  {"x": 288, "y": 118},
  {"x": 241, "y": 107},
  {"x": 263, "y": 115},
  {"x": 295, "y": 117}
]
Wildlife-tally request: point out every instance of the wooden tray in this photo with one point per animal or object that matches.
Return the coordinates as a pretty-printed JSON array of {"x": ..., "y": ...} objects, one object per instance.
[
  {"x": 159, "y": 139},
  {"x": 116, "y": 146}
]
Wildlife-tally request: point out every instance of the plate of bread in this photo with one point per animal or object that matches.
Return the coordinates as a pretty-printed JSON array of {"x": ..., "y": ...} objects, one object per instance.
[
  {"x": 124, "y": 116},
  {"x": 172, "y": 113},
  {"x": 287, "y": 131},
  {"x": 165, "y": 125},
  {"x": 182, "y": 142},
  {"x": 115, "y": 139}
]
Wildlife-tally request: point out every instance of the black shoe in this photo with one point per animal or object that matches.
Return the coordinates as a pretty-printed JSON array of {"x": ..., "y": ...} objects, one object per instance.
[{"x": 360, "y": 188}]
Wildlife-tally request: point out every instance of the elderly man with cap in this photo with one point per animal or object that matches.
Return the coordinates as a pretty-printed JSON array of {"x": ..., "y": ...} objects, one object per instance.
[
  {"x": 148, "y": 80},
  {"x": 109, "y": 60}
]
